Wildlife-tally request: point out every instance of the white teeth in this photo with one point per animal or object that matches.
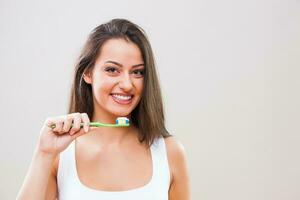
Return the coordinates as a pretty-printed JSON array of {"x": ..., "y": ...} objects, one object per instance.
[{"x": 122, "y": 97}]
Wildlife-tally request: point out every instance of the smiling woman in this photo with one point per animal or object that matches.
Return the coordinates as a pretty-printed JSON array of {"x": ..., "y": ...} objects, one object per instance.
[
  {"x": 120, "y": 48},
  {"x": 115, "y": 77}
]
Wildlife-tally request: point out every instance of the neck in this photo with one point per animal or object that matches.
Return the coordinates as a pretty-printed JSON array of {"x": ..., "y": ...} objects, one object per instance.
[{"x": 110, "y": 135}]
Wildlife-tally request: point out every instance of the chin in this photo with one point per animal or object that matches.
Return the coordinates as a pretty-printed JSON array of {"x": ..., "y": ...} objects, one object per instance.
[{"x": 120, "y": 113}]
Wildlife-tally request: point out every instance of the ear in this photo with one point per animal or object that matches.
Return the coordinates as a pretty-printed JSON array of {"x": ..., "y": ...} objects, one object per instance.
[{"x": 87, "y": 77}]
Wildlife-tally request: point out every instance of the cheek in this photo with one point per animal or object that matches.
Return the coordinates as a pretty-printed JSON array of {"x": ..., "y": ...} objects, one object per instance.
[
  {"x": 139, "y": 85},
  {"x": 103, "y": 86}
]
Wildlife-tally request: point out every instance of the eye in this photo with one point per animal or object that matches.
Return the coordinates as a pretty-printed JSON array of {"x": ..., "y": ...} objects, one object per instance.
[
  {"x": 111, "y": 70},
  {"x": 138, "y": 72}
]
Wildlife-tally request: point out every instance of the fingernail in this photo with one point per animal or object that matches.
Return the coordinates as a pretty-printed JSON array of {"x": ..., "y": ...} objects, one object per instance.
[{"x": 86, "y": 129}]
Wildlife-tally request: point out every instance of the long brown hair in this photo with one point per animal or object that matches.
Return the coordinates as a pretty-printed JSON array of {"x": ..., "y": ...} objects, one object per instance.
[{"x": 148, "y": 116}]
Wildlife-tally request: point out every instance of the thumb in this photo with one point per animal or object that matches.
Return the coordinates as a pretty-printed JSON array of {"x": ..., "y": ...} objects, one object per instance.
[{"x": 78, "y": 134}]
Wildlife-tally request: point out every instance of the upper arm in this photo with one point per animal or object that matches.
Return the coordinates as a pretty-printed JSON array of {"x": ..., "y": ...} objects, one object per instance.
[
  {"x": 180, "y": 186},
  {"x": 51, "y": 193}
]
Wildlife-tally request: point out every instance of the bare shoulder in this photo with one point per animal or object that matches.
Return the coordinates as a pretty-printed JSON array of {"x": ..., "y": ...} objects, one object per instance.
[
  {"x": 179, "y": 186},
  {"x": 175, "y": 148},
  {"x": 174, "y": 145},
  {"x": 176, "y": 155}
]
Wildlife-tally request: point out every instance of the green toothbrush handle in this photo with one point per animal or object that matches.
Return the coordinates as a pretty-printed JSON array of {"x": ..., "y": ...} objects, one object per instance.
[{"x": 98, "y": 124}]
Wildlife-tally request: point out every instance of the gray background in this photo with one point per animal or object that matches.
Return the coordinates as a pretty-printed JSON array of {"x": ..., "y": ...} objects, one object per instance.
[{"x": 229, "y": 72}]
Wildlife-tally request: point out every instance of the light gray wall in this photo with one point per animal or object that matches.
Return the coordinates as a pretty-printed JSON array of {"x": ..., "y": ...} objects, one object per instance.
[{"x": 229, "y": 72}]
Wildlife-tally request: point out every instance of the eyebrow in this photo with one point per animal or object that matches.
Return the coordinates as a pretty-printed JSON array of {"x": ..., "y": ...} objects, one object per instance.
[{"x": 119, "y": 64}]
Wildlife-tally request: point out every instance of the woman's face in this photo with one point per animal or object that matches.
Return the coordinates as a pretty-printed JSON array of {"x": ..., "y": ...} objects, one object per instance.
[{"x": 117, "y": 78}]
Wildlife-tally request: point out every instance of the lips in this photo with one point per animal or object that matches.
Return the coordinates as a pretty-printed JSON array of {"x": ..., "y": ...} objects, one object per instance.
[{"x": 122, "y": 98}]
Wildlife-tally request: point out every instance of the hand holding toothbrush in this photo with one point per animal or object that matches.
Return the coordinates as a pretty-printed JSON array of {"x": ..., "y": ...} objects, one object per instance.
[{"x": 58, "y": 132}]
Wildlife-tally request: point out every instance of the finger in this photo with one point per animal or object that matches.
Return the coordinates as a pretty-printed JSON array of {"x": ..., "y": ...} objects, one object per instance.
[
  {"x": 49, "y": 122},
  {"x": 58, "y": 126},
  {"x": 78, "y": 133},
  {"x": 86, "y": 121},
  {"x": 67, "y": 123},
  {"x": 52, "y": 125},
  {"x": 76, "y": 124}
]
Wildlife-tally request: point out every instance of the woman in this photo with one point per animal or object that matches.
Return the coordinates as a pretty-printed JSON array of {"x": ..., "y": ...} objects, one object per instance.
[{"x": 115, "y": 76}]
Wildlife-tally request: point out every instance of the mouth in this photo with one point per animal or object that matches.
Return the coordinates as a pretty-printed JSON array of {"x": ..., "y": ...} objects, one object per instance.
[{"x": 122, "y": 99}]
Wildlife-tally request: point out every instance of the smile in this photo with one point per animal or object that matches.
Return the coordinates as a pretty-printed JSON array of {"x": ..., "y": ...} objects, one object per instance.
[{"x": 122, "y": 99}]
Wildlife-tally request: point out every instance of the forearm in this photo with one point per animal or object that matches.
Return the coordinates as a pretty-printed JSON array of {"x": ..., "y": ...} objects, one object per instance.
[{"x": 36, "y": 180}]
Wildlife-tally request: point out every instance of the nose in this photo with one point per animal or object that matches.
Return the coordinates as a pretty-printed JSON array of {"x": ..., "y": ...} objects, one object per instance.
[{"x": 126, "y": 83}]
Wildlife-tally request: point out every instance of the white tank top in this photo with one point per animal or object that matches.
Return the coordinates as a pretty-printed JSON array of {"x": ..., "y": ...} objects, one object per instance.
[{"x": 71, "y": 188}]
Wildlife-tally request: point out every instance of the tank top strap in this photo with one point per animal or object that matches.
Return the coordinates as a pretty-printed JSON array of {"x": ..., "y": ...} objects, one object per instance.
[
  {"x": 161, "y": 177},
  {"x": 66, "y": 168}
]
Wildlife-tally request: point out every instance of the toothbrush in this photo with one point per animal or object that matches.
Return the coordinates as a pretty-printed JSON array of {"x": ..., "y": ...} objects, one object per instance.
[{"x": 120, "y": 122}]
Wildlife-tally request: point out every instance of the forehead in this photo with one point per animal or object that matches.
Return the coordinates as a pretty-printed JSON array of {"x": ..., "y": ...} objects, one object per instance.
[{"x": 120, "y": 50}]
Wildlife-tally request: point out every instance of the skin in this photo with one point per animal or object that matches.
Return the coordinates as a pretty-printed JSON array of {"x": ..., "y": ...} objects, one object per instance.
[{"x": 103, "y": 154}]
